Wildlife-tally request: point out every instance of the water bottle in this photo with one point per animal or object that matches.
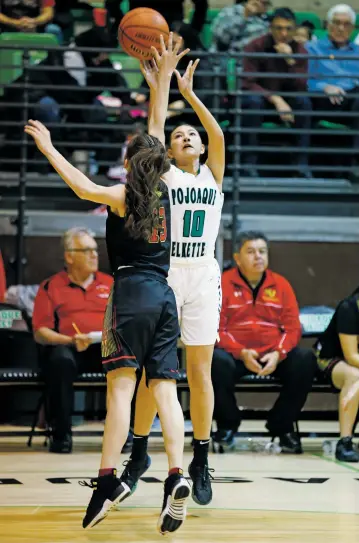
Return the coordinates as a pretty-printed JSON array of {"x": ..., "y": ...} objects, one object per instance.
[
  {"x": 261, "y": 447},
  {"x": 329, "y": 447},
  {"x": 273, "y": 448}
]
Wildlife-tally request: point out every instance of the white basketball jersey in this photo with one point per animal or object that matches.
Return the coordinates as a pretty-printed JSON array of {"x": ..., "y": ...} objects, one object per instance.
[{"x": 196, "y": 207}]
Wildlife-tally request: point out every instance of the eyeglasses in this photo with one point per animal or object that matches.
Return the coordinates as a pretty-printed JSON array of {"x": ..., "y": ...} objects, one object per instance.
[
  {"x": 84, "y": 250},
  {"x": 342, "y": 23}
]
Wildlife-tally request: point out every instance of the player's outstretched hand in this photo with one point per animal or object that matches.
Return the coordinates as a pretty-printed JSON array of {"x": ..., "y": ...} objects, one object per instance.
[
  {"x": 169, "y": 57},
  {"x": 185, "y": 81},
  {"x": 149, "y": 71},
  {"x": 40, "y": 134}
]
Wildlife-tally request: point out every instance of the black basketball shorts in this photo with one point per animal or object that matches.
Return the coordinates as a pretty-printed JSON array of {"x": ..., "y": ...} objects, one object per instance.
[{"x": 141, "y": 327}]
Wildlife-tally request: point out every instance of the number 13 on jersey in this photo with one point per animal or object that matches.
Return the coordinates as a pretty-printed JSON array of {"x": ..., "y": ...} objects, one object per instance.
[
  {"x": 193, "y": 223},
  {"x": 159, "y": 234}
]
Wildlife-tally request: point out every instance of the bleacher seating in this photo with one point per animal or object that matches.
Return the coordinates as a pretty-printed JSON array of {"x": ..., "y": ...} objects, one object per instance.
[{"x": 11, "y": 60}]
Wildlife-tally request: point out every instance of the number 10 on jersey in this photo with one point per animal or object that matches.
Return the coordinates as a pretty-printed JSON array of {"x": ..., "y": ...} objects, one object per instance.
[{"x": 193, "y": 223}]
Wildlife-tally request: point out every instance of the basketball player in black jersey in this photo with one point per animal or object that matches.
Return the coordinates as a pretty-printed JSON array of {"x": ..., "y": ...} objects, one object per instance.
[{"x": 141, "y": 323}]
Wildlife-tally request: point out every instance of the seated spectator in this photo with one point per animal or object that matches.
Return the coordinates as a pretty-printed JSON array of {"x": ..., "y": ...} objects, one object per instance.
[
  {"x": 265, "y": 93},
  {"x": 237, "y": 25},
  {"x": 84, "y": 72},
  {"x": 259, "y": 334},
  {"x": 25, "y": 16},
  {"x": 172, "y": 10},
  {"x": 335, "y": 81},
  {"x": 338, "y": 362},
  {"x": 304, "y": 32},
  {"x": 68, "y": 307}
]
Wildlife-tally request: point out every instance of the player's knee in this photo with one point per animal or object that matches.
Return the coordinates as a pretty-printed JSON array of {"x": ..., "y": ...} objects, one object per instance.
[
  {"x": 201, "y": 378},
  {"x": 351, "y": 375}
]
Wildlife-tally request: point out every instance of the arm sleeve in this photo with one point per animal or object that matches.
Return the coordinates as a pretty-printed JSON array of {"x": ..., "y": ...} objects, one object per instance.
[
  {"x": 300, "y": 67},
  {"x": 290, "y": 322},
  {"x": 251, "y": 64},
  {"x": 348, "y": 318},
  {"x": 314, "y": 85},
  {"x": 43, "y": 316},
  {"x": 226, "y": 340}
]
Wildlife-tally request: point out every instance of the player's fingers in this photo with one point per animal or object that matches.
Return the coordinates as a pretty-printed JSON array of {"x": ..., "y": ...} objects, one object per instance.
[
  {"x": 163, "y": 46},
  {"x": 30, "y": 131},
  {"x": 188, "y": 69},
  {"x": 41, "y": 128},
  {"x": 143, "y": 68},
  {"x": 156, "y": 54},
  {"x": 177, "y": 46},
  {"x": 170, "y": 43},
  {"x": 193, "y": 69},
  {"x": 183, "y": 53},
  {"x": 153, "y": 65},
  {"x": 178, "y": 75}
]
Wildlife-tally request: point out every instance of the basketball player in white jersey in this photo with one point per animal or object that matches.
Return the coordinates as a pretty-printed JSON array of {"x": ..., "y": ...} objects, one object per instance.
[{"x": 196, "y": 204}]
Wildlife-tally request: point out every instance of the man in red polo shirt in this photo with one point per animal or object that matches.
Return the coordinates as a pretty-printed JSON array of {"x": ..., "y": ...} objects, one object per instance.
[
  {"x": 259, "y": 334},
  {"x": 68, "y": 306}
]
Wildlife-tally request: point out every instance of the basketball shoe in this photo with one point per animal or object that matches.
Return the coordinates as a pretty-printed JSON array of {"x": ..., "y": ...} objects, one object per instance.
[
  {"x": 133, "y": 471},
  {"x": 174, "y": 508},
  {"x": 201, "y": 479},
  {"x": 108, "y": 491}
]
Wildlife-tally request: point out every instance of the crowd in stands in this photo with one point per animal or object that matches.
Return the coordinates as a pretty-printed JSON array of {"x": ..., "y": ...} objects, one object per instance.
[{"x": 244, "y": 27}]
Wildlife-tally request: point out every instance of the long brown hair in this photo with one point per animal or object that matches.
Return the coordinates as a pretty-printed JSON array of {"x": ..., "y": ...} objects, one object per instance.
[{"x": 147, "y": 162}]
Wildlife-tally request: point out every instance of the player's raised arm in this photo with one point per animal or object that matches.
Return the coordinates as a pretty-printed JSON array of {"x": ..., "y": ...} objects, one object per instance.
[
  {"x": 82, "y": 186},
  {"x": 216, "y": 148},
  {"x": 158, "y": 74}
]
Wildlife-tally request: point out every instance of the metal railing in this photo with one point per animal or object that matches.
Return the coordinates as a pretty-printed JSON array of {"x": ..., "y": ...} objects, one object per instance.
[{"x": 79, "y": 128}]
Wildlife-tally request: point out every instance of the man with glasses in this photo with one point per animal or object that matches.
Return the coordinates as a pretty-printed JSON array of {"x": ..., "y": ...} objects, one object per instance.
[
  {"x": 69, "y": 306},
  {"x": 271, "y": 82},
  {"x": 336, "y": 81}
]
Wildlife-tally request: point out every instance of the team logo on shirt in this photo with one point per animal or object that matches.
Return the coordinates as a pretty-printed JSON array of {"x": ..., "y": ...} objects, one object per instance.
[
  {"x": 103, "y": 291},
  {"x": 270, "y": 295}
]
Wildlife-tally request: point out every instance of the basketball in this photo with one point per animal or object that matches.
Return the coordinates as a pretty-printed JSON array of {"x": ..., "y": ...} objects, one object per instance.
[{"x": 140, "y": 29}]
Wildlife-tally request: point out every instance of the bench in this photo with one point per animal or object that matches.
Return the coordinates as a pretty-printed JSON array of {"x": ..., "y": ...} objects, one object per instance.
[
  {"x": 26, "y": 379},
  {"x": 313, "y": 319}
]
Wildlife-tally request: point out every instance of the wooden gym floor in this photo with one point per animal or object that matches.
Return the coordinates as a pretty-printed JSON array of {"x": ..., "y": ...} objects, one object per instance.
[{"x": 257, "y": 498}]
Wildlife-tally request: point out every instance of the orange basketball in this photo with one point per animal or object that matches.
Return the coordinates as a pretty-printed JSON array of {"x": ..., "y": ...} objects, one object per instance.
[{"x": 139, "y": 29}]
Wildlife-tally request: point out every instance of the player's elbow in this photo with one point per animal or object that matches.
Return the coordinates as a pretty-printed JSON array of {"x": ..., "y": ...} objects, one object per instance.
[{"x": 40, "y": 336}]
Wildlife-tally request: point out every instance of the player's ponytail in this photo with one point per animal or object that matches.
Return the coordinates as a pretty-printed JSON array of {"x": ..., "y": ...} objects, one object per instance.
[{"x": 148, "y": 160}]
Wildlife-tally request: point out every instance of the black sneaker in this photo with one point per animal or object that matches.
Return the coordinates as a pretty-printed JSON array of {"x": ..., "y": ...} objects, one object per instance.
[
  {"x": 62, "y": 445},
  {"x": 174, "y": 506},
  {"x": 290, "y": 443},
  {"x": 133, "y": 471},
  {"x": 201, "y": 478},
  {"x": 345, "y": 451},
  {"x": 108, "y": 492}
]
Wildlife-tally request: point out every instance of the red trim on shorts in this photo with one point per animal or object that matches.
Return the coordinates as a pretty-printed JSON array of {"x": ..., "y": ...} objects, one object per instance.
[{"x": 118, "y": 358}]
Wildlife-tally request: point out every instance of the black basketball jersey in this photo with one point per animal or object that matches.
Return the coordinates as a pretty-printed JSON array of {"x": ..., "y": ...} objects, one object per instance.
[
  {"x": 151, "y": 255},
  {"x": 344, "y": 321}
]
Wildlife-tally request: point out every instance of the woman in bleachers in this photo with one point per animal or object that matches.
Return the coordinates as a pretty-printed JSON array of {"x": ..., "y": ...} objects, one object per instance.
[{"x": 338, "y": 361}]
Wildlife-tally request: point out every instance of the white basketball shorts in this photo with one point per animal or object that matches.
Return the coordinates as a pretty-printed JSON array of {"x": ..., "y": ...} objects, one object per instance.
[{"x": 198, "y": 295}]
